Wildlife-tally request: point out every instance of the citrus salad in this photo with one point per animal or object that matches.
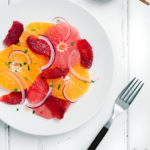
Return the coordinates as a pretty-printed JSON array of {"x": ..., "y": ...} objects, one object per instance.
[{"x": 45, "y": 66}]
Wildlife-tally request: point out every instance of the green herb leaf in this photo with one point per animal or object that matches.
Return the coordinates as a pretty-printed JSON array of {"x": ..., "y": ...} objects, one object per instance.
[
  {"x": 28, "y": 67},
  {"x": 43, "y": 77},
  {"x": 15, "y": 70},
  {"x": 58, "y": 20},
  {"x": 15, "y": 90},
  {"x": 49, "y": 57},
  {"x": 72, "y": 43},
  {"x": 26, "y": 78},
  {"x": 59, "y": 86},
  {"x": 20, "y": 65},
  {"x": 46, "y": 34},
  {"x": 25, "y": 63},
  {"x": 17, "y": 109},
  {"x": 85, "y": 81},
  {"x": 33, "y": 112},
  {"x": 33, "y": 29},
  {"x": 92, "y": 81},
  {"x": 9, "y": 62},
  {"x": 51, "y": 85},
  {"x": 62, "y": 70},
  {"x": 9, "y": 66},
  {"x": 26, "y": 51},
  {"x": 35, "y": 62}
]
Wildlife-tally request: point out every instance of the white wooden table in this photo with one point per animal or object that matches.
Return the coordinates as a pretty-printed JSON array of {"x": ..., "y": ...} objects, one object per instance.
[{"x": 127, "y": 24}]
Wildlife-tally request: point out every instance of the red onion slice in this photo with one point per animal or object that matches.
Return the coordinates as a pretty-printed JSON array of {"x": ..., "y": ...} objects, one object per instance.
[
  {"x": 40, "y": 103},
  {"x": 21, "y": 52},
  {"x": 64, "y": 94},
  {"x": 74, "y": 73},
  {"x": 67, "y": 23},
  {"x": 52, "y": 58},
  {"x": 16, "y": 77}
]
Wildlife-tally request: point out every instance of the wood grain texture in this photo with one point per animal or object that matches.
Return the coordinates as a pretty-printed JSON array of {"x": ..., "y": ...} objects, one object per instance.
[{"x": 79, "y": 139}]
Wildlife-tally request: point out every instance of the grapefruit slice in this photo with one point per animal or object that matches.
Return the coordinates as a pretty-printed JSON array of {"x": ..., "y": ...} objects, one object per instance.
[
  {"x": 37, "y": 90},
  {"x": 57, "y": 34},
  {"x": 19, "y": 65},
  {"x": 52, "y": 108}
]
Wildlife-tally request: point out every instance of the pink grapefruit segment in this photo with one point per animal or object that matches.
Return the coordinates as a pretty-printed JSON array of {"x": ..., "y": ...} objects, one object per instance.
[{"x": 57, "y": 34}]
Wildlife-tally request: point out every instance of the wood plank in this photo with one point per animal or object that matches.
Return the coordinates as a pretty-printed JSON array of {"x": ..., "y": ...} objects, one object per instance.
[{"x": 139, "y": 47}]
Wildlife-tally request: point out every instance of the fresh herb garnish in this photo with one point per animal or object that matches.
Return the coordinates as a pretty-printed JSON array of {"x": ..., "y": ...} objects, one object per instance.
[
  {"x": 26, "y": 78},
  {"x": 28, "y": 67},
  {"x": 92, "y": 81},
  {"x": 59, "y": 86},
  {"x": 62, "y": 70},
  {"x": 35, "y": 62},
  {"x": 43, "y": 77},
  {"x": 51, "y": 85},
  {"x": 17, "y": 109},
  {"x": 15, "y": 90},
  {"x": 58, "y": 20},
  {"x": 25, "y": 63},
  {"x": 20, "y": 65},
  {"x": 49, "y": 57},
  {"x": 26, "y": 51},
  {"x": 85, "y": 81},
  {"x": 33, "y": 112},
  {"x": 15, "y": 70},
  {"x": 9, "y": 62},
  {"x": 46, "y": 34},
  {"x": 33, "y": 29},
  {"x": 72, "y": 43}
]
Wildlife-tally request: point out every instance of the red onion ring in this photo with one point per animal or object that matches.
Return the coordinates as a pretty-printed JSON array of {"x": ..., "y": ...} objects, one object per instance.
[
  {"x": 20, "y": 52},
  {"x": 52, "y": 58},
  {"x": 16, "y": 77},
  {"x": 40, "y": 103},
  {"x": 68, "y": 25},
  {"x": 63, "y": 91}
]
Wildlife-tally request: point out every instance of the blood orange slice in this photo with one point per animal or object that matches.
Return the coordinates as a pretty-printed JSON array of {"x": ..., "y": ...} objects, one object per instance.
[{"x": 35, "y": 28}]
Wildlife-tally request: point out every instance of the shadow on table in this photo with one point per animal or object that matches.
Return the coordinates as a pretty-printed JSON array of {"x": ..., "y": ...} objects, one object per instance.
[{"x": 99, "y": 1}]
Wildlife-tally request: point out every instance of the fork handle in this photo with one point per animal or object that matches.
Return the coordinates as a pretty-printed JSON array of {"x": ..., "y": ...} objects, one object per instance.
[{"x": 98, "y": 138}]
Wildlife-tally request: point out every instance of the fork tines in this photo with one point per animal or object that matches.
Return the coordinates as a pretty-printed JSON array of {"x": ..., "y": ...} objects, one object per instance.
[{"x": 129, "y": 93}]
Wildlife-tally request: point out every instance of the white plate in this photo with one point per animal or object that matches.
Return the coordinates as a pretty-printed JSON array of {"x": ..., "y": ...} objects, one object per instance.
[{"x": 93, "y": 100}]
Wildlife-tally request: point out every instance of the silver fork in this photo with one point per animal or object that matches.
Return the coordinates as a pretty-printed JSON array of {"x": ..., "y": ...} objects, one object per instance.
[{"x": 122, "y": 103}]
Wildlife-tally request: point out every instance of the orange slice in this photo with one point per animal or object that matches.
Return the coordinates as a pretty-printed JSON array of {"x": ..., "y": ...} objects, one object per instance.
[
  {"x": 19, "y": 65},
  {"x": 58, "y": 85},
  {"x": 35, "y": 28},
  {"x": 70, "y": 86},
  {"x": 75, "y": 88}
]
